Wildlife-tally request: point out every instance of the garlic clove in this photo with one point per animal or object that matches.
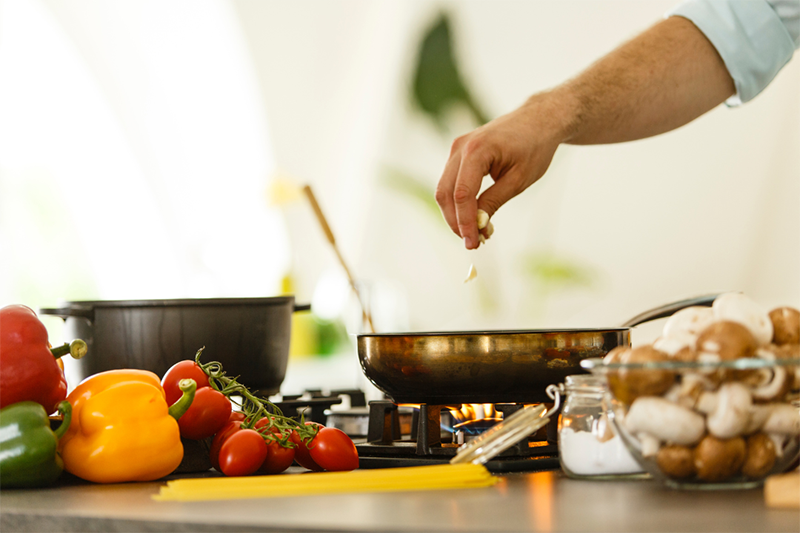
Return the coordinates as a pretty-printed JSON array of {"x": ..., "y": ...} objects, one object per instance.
[{"x": 472, "y": 274}]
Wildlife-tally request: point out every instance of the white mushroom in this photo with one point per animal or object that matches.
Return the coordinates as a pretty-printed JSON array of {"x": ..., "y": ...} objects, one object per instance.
[
  {"x": 728, "y": 410},
  {"x": 768, "y": 384},
  {"x": 758, "y": 415},
  {"x": 688, "y": 322},
  {"x": 665, "y": 421},
  {"x": 678, "y": 346},
  {"x": 689, "y": 390},
  {"x": 774, "y": 418},
  {"x": 737, "y": 307},
  {"x": 783, "y": 419}
]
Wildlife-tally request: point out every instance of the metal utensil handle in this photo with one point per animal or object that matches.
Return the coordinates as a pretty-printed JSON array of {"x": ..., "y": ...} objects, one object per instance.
[
  {"x": 670, "y": 309},
  {"x": 555, "y": 392},
  {"x": 502, "y": 436}
]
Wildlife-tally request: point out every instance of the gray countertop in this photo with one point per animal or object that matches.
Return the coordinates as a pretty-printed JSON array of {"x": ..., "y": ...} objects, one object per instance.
[{"x": 543, "y": 501}]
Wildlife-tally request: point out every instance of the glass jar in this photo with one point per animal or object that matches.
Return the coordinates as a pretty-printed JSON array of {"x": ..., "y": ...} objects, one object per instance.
[{"x": 587, "y": 446}]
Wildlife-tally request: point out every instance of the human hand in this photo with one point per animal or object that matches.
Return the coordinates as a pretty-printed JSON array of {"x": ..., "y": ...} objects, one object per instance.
[{"x": 515, "y": 150}]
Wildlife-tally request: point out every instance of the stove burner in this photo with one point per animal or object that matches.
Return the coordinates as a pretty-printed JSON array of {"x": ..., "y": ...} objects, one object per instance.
[{"x": 386, "y": 446}]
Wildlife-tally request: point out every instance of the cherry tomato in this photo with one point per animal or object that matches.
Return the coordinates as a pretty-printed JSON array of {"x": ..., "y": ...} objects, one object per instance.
[
  {"x": 210, "y": 410},
  {"x": 279, "y": 457},
  {"x": 333, "y": 450},
  {"x": 182, "y": 370},
  {"x": 219, "y": 439},
  {"x": 301, "y": 454},
  {"x": 242, "y": 453}
]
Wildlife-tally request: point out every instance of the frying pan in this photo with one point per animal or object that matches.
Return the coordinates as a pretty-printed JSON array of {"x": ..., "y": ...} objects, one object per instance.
[{"x": 444, "y": 368}]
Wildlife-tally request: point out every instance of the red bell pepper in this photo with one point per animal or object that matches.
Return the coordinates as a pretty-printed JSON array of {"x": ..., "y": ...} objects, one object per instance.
[{"x": 29, "y": 369}]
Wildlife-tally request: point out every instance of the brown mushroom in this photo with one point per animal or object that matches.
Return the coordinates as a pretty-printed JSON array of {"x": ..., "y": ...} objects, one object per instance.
[
  {"x": 785, "y": 325},
  {"x": 759, "y": 457},
  {"x": 629, "y": 384},
  {"x": 725, "y": 341},
  {"x": 676, "y": 461},
  {"x": 718, "y": 460}
]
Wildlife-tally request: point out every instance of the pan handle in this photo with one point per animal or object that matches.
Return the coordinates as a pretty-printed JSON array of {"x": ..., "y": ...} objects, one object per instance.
[
  {"x": 302, "y": 307},
  {"x": 66, "y": 312},
  {"x": 669, "y": 309}
]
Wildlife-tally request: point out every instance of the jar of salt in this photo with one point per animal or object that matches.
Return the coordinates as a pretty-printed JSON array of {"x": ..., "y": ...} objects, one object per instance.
[{"x": 587, "y": 446}]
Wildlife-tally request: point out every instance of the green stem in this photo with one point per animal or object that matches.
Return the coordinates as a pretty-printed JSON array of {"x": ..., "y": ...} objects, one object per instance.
[
  {"x": 76, "y": 349},
  {"x": 65, "y": 408},
  {"x": 253, "y": 407},
  {"x": 177, "y": 409}
]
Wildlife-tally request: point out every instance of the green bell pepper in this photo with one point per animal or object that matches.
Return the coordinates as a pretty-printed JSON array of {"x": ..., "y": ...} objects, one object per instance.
[{"x": 28, "y": 447}]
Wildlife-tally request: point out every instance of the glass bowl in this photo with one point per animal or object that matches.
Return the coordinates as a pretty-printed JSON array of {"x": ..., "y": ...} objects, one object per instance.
[{"x": 706, "y": 425}]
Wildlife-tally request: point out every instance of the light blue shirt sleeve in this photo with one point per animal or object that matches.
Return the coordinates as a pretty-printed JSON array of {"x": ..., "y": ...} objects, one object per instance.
[{"x": 755, "y": 38}]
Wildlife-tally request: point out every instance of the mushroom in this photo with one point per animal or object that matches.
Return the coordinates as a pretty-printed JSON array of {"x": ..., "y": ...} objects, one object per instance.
[
  {"x": 688, "y": 322},
  {"x": 665, "y": 421},
  {"x": 779, "y": 421},
  {"x": 727, "y": 410},
  {"x": 724, "y": 341},
  {"x": 629, "y": 384},
  {"x": 782, "y": 419},
  {"x": 785, "y": 325},
  {"x": 689, "y": 389},
  {"x": 759, "y": 457},
  {"x": 719, "y": 459},
  {"x": 758, "y": 415},
  {"x": 737, "y": 307},
  {"x": 789, "y": 351},
  {"x": 615, "y": 355},
  {"x": 679, "y": 347},
  {"x": 676, "y": 461},
  {"x": 771, "y": 383}
]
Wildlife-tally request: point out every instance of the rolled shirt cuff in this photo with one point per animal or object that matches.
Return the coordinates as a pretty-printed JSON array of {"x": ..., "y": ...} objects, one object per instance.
[{"x": 749, "y": 36}]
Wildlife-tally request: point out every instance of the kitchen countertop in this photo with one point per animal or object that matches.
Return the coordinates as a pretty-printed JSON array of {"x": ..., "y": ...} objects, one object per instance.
[{"x": 542, "y": 501}]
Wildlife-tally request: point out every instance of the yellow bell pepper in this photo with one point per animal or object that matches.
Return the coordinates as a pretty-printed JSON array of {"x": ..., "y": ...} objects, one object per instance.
[{"x": 122, "y": 429}]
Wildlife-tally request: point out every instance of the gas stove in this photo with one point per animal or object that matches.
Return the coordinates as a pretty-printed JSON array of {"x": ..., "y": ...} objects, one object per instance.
[
  {"x": 391, "y": 435},
  {"x": 387, "y": 445}
]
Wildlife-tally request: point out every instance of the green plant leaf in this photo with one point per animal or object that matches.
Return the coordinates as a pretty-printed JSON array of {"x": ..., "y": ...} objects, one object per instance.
[{"x": 437, "y": 83}]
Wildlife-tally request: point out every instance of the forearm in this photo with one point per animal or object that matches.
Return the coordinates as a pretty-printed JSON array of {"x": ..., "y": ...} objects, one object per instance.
[{"x": 659, "y": 81}]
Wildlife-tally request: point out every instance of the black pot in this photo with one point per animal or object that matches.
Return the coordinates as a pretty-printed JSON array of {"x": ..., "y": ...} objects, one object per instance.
[{"x": 249, "y": 336}]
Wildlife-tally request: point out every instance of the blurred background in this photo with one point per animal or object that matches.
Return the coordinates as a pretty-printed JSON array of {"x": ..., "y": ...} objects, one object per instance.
[{"x": 156, "y": 149}]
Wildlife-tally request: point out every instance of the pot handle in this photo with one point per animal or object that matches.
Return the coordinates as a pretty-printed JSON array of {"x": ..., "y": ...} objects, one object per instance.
[
  {"x": 66, "y": 312},
  {"x": 670, "y": 308},
  {"x": 302, "y": 307}
]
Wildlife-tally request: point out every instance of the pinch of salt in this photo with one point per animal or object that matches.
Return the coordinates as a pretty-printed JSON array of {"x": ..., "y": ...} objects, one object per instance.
[{"x": 472, "y": 274}]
